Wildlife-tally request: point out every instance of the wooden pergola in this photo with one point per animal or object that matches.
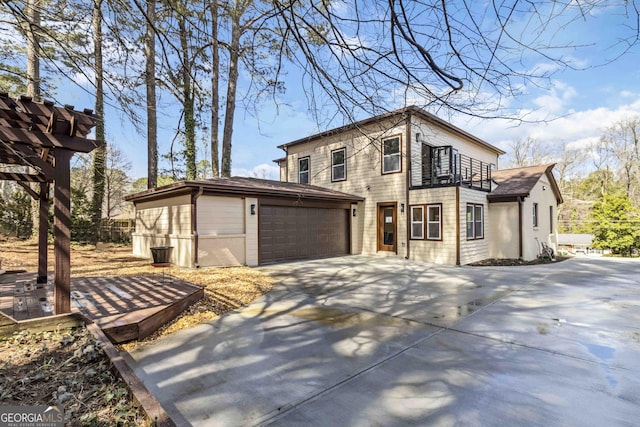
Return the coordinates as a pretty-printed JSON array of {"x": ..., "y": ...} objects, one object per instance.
[{"x": 38, "y": 140}]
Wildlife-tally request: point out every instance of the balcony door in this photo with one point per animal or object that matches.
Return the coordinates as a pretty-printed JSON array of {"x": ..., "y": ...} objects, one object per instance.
[{"x": 387, "y": 227}]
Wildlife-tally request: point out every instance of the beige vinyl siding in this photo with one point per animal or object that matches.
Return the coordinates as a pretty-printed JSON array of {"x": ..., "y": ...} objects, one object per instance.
[
  {"x": 165, "y": 222},
  {"x": 283, "y": 171},
  {"x": 504, "y": 237},
  {"x": 221, "y": 231},
  {"x": 363, "y": 177},
  {"x": 444, "y": 251},
  {"x": 220, "y": 215},
  {"x": 544, "y": 199},
  {"x": 478, "y": 249},
  {"x": 166, "y": 216},
  {"x": 438, "y": 137}
]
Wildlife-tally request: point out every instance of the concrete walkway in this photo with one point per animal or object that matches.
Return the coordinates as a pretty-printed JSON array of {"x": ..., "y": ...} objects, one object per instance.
[{"x": 361, "y": 341}]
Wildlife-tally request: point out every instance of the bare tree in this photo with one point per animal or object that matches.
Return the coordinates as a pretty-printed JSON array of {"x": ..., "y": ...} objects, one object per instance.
[
  {"x": 466, "y": 56},
  {"x": 527, "y": 152},
  {"x": 622, "y": 140}
]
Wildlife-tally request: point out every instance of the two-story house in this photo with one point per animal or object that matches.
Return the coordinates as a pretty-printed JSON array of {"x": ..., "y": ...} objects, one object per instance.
[
  {"x": 405, "y": 184},
  {"x": 425, "y": 185}
]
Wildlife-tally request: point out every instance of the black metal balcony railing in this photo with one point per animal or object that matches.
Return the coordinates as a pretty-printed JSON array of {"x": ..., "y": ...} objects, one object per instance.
[{"x": 444, "y": 166}]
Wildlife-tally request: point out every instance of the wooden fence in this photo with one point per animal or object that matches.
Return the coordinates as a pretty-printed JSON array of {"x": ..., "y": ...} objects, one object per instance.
[{"x": 117, "y": 230}]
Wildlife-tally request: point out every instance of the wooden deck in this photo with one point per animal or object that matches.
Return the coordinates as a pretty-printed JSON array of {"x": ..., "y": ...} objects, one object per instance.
[{"x": 125, "y": 308}]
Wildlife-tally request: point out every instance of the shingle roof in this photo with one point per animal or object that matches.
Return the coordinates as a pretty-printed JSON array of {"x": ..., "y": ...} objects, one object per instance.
[
  {"x": 518, "y": 182},
  {"x": 245, "y": 186}
]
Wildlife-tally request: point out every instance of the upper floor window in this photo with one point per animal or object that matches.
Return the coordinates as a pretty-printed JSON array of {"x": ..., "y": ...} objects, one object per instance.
[
  {"x": 303, "y": 170},
  {"x": 391, "y": 155},
  {"x": 535, "y": 214},
  {"x": 339, "y": 165},
  {"x": 475, "y": 221}
]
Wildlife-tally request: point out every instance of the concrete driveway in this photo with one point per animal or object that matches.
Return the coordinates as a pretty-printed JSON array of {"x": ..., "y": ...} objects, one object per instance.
[{"x": 362, "y": 341}]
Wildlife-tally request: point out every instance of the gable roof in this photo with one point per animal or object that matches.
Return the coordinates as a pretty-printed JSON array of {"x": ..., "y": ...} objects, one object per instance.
[
  {"x": 518, "y": 182},
  {"x": 244, "y": 186},
  {"x": 397, "y": 113}
]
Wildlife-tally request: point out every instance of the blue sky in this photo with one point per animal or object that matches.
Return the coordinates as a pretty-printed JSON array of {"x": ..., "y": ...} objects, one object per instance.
[{"x": 582, "y": 102}]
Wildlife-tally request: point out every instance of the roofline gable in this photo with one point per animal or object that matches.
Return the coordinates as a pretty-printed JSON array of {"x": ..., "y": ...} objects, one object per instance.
[{"x": 431, "y": 118}]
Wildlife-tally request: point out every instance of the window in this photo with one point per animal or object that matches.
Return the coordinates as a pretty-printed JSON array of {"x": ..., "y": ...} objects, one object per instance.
[
  {"x": 479, "y": 217},
  {"x": 550, "y": 219},
  {"x": 535, "y": 214},
  {"x": 475, "y": 221},
  {"x": 434, "y": 222},
  {"x": 338, "y": 165},
  {"x": 417, "y": 222},
  {"x": 391, "y": 155},
  {"x": 303, "y": 170}
]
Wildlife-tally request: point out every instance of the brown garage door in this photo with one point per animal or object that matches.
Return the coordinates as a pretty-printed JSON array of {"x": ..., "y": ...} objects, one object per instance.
[{"x": 288, "y": 233}]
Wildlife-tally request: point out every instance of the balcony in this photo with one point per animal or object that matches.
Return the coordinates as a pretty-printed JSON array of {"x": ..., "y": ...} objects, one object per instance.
[{"x": 445, "y": 166}]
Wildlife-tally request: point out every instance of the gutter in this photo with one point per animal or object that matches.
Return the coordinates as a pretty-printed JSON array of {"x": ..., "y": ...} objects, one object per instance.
[{"x": 194, "y": 226}]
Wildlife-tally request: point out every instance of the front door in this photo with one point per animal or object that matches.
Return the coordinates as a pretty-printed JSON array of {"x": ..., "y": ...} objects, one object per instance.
[{"x": 387, "y": 230}]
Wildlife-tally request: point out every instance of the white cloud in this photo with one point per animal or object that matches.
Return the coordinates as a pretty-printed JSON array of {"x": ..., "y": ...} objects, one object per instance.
[
  {"x": 557, "y": 98},
  {"x": 580, "y": 129},
  {"x": 263, "y": 171}
]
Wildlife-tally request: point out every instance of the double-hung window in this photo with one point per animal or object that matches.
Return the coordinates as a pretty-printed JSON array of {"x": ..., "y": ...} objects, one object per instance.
[
  {"x": 303, "y": 170},
  {"x": 417, "y": 222},
  {"x": 434, "y": 222},
  {"x": 391, "y": 155},
  {"x": 339, "y": 165},
  {"x": 475, "y": 221}
]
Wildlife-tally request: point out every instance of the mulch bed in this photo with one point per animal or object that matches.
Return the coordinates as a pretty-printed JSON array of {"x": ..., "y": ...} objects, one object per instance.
[{"x": 494, "y": 262}]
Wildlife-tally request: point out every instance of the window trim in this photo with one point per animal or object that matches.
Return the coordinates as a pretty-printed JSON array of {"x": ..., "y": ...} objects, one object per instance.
[
  {"x": 308, "y": 171},
  {"x": 422, "y": 208},
  {"x": 535, "y": 214},
  {"x": 439, "y": 222},
  {"x": 473, "y": 221},
  {"x": 382, "y": 154},
  {"x": 343, "y": 164}
]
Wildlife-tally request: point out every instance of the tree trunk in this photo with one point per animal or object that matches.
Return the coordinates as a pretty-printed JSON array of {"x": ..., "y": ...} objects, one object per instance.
[
  {"x": 150, "y": 81},
  {"x": 215, "y": 97},
  {"x": 33, "y": 48},
  {"x": 187, "y": 103},
  {"x": 99, "y": 154},
  {"x": 32, "y": 13},
  {"x": 234, "y": 55}
]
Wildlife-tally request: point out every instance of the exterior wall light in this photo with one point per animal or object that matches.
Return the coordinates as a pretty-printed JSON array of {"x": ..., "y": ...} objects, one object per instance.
[
  {"x": 253, "y": 208},
  {"x": 401, "y": 207},
  {"x": 354, "y": 211}
]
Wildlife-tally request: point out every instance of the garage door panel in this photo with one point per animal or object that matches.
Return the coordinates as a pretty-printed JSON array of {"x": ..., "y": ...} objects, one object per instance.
[{"x": 288, "y": 233}]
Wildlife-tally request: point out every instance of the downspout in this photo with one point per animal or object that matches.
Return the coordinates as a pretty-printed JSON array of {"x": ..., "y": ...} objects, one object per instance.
[
  {"x": 520, "y": 238},
  {"x": 457, "y": 225},
  {"x": 194, "y": 226},
  {"x": 408, "y": 183}
]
